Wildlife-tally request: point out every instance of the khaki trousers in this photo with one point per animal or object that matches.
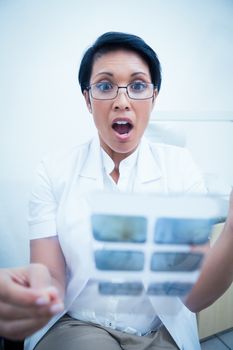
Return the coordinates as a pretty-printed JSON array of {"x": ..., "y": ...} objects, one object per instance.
[{"x": 72, "y": 334}]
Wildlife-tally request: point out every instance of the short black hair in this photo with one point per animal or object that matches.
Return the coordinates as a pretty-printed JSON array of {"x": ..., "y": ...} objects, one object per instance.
[{"x": 112, "y": 41}]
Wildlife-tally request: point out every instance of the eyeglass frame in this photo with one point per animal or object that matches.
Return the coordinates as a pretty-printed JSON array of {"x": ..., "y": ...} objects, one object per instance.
[{"x": 88, "y": 88}]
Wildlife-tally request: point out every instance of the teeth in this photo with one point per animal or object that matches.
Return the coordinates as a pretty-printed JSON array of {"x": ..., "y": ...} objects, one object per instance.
[{"x": 121, "y": 122}]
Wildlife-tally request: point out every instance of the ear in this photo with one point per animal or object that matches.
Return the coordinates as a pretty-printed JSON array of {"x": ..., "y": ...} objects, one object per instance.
[
  {"x": 154, "y": 98},
  {"x": 87, "y": 99}
]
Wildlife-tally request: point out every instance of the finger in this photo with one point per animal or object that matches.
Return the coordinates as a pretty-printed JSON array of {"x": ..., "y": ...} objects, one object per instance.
[
  {"x": 228, "y": 227},
  {"x": 40, "y": 279},
  {"x": 14, "y": 286},
  {"x": 13, "y": 292},
  {"x": 201, "y": 248},
  {"x": 230, "y": 211},
  {"x": 39, "y": 276},
  {"x": 10, "y": 312},
  {"x": 231, "y": 196}
]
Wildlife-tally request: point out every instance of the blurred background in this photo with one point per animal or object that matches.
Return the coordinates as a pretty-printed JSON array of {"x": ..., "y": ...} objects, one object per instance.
[{"x": 42, "y": 109}]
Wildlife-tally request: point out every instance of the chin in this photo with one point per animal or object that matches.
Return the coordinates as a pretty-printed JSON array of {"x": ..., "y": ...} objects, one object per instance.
[{"x": 125, "y": 148}]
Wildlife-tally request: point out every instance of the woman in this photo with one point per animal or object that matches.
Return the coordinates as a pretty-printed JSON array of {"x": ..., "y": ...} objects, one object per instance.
[{"x": 120, "y": 78}]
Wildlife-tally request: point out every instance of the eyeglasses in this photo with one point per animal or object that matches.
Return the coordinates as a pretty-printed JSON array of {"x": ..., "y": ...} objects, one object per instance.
[{"x": 137, "y": 90}]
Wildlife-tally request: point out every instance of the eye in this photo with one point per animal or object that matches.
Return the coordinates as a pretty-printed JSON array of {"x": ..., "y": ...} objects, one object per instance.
[
  {"x": 104, "y": 86},
  {"x": 138, "y": 86}
]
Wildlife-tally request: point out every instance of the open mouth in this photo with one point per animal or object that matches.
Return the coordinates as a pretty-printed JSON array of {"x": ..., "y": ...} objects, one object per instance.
[{"x": 122, "y": 127}]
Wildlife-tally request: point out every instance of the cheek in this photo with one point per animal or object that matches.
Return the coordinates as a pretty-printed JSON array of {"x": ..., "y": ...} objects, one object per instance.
[
  {"x": 100, "y": 114},
  {"x": 99, "y": 108},
  {"x": 144, "y": 114}
]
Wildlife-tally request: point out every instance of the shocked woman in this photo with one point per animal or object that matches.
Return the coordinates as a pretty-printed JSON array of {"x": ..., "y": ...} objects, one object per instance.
[{"x": 120, "y": 79}]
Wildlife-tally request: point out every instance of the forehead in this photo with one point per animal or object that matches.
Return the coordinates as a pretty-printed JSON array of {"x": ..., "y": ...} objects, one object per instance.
[{"x": 120, "y": 60}]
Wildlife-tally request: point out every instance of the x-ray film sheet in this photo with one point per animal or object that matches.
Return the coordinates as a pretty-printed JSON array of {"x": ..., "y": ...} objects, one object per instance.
[{"x": 144, "y": 244}]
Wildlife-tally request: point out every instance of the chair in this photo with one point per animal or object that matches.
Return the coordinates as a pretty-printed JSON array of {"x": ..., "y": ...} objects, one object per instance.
[{"x": 11, "y": 345}]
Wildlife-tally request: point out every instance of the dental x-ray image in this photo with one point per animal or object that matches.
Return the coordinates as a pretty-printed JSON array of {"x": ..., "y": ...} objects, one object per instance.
[
  {"x": 119, "y": 228},
  {"x": 122, "y": 260},
  {"x": 182, "y": 230},
  {"x": 175, "y": 261},
  {"x": 125, "y": 288},
  {"x": 169, "y": 288}
]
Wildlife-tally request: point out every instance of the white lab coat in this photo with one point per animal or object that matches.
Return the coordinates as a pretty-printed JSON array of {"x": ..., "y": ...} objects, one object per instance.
[{"x": 59, "y": 207}]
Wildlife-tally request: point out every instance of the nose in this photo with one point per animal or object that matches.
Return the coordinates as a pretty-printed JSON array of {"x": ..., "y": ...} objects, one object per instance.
[{"x": 122, "y": 100}]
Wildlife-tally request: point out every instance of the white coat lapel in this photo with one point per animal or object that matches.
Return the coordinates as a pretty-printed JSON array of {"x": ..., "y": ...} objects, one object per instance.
[
  {"x": 149, "y": 172},
  {"x": 90, "y": 174}
]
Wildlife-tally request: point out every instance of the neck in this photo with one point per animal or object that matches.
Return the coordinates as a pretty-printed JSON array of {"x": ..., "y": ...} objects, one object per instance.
[
  {"x": 117, "y": 158},
  {"x": 115, "y": 174}
]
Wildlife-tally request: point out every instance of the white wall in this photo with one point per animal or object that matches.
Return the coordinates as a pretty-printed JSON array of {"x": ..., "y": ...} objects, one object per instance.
[
  {"x": 41, "y": 107},
  {"x": 210, "y": 143}
]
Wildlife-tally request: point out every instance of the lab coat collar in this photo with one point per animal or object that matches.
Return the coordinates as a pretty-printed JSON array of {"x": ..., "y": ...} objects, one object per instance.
[
  {"x": 92, "y": 167},
  {"x": 148, "y": 164}
]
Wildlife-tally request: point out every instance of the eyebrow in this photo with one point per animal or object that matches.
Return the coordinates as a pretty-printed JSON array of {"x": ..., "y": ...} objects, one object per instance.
[
  {"x": 111, "y": 74},
  {"x": 138, "y": 73}
]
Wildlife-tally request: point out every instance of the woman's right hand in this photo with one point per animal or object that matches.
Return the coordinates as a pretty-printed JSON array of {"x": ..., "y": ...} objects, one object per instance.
[{"x": 27, "y": 300}]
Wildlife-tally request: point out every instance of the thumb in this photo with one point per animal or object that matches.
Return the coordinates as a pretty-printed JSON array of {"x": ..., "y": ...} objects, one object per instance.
[
  {"x": 41, "y": 280},
  {"x": 39, "y": 276}
]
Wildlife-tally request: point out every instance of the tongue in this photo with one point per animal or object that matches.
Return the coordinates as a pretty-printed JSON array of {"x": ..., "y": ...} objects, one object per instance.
[{"x": 121, "y": 128}]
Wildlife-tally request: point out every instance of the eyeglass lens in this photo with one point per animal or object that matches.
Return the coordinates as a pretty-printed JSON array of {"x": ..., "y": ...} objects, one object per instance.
[{"x": 108, "y": 91}]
